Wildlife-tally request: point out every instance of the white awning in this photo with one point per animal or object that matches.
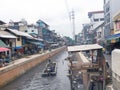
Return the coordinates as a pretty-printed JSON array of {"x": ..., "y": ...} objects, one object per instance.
[{"x": 84, "y": 47}]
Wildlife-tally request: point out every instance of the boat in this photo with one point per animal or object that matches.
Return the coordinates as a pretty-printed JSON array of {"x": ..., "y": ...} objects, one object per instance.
[{"x": 50, "y": 69}]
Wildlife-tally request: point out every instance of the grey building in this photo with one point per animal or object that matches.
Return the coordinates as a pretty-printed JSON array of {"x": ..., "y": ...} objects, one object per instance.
[{"x": 107, "y": 18}]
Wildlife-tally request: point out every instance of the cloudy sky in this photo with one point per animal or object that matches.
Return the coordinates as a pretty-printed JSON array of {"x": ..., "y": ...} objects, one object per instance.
[{"x": 54, "y": 12}]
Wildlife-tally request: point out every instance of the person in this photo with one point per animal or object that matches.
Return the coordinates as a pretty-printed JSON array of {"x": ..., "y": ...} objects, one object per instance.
[
  {"x": 3, "y": 58},
  {"x": 1, "y": 62},
  {"x": 50, "y": 61}
]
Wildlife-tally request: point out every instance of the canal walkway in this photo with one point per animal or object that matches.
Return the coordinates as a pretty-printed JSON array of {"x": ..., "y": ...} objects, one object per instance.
[{"x": 22, "y": 60}]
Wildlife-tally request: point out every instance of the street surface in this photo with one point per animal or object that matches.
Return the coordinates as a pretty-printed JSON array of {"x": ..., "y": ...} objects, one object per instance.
[{"x": 32, "y": 80}]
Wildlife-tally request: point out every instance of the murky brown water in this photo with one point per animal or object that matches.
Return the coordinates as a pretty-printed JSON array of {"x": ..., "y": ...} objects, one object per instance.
[{"x": 32, "y": 80}]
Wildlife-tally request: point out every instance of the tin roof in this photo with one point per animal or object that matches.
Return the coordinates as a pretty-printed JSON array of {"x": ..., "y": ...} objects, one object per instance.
[
  {"x": 5, "y": 34},
  {"x": 2, "y": 44},
  {"x": 84, "y": 47},
  {"x": 19, "y": 33}
]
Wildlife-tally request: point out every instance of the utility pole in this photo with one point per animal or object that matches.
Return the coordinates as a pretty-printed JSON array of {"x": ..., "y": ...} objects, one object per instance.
[{"x": 73, "y": 23}]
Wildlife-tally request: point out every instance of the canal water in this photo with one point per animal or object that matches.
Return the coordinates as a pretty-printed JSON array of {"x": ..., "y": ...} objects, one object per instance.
[{"x": 32, "y": 80}]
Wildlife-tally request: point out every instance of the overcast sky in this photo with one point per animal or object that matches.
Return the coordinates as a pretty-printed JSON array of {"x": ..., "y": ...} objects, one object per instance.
[{"x": 53, "y": 12}]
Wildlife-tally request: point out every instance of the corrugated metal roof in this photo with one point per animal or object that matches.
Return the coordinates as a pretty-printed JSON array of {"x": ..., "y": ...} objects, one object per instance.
[
  {"x": 20, "y": 33},
  {"x": 5, "y": 34},
  {"x": 39, "y": 39},
  {"x": 84, "y": 47},
  {"x": 2, "y": 44}
]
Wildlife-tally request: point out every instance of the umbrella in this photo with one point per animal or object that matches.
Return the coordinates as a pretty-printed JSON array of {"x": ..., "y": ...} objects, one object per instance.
[{"x": 3, "y": 49}]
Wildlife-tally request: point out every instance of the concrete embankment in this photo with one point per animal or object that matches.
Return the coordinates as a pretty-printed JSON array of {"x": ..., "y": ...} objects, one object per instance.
[{"x": 19, "y": 67}]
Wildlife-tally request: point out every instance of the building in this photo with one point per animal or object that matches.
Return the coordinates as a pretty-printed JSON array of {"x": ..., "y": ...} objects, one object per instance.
[
  {"x": 2, "y": 25},
  {"x": 108, "y": 20},
  {"x": 32, "y": 30},
  {"x": 87, "y": 35},
  {"x": 113, "y": 39},
  {"x": 100, "y": 39},
  {"x": 20, "y": 25},
  {"x": 41, "y": 25},
  {"x": 96, "y": 19},
  {"x": 79, "y": 39}
]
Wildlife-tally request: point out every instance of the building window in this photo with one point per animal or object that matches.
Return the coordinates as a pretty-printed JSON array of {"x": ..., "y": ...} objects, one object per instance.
[
  {"x": 18, "y": 39},
  {"x": 25, "y": 30},
  {"x": 101, "y": 19},
  {"x": 117, "y": 25},
  {"x": 32, "y": 30},
  {"x": 96, "y": 20}
]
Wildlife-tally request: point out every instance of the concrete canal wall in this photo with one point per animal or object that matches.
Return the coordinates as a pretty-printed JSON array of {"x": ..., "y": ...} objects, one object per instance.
[
  {"x": 19, "y": 67},
  {"x": 116, "y": 69}
]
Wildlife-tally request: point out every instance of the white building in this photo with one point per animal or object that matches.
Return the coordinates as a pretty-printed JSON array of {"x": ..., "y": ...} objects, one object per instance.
[
  {"x": 96, "y": 22},
  {"x": 32, "y": 29},
  {"x": 96, "y": 18},
  {"x": 108, "y": 20}
]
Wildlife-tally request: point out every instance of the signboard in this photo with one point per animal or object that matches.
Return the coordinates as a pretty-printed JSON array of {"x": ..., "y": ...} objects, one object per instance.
[{"x": 113, "y": 41}]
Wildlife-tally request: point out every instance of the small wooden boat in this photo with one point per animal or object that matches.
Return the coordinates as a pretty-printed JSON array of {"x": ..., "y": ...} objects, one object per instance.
[{"x": 50, "y": 70}]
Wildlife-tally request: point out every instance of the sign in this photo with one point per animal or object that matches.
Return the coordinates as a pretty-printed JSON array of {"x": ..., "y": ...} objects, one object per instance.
[{"x": 113, "y": 41}]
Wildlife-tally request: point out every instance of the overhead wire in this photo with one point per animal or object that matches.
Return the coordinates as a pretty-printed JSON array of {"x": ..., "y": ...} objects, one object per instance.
[
  {"x": 71, "y": 16},
  {"x": 67, "y": 8},
  {"x": 68, "y": 12}
]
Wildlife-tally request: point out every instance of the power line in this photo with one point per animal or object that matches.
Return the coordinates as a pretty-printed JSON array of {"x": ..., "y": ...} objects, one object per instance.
[
  {"x": 73, "y": 23},
  {"x": 71, "y": 16},
  {"x": 67, "y": 7}
]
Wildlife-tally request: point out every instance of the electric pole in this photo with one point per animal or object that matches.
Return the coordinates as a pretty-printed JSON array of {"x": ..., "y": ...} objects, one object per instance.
[{"x": 73, "y": 23}]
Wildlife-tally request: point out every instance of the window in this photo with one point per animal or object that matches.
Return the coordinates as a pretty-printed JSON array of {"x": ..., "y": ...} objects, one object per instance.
[
  {"x": 25, "y": 30},
  {"x": 101, "y": 19},
  {"x": 18, "y": 39},
  {"x": 32, "y": 30},
  {"x": 117, "y": 25},
  {"x": 96, "y": 20}
]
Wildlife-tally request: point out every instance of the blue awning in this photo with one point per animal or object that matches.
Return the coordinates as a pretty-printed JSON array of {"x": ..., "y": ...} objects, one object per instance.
[
  {"x": 114, "y": 36},
  {"x": 18, "y": 47}
]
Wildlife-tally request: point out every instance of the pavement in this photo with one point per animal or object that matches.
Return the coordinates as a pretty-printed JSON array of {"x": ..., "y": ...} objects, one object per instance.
[{"x": 18, "y": 61}]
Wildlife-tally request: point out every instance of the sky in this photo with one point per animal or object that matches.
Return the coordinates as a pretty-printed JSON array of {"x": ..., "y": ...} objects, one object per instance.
[{"x": 56, "y": 13}]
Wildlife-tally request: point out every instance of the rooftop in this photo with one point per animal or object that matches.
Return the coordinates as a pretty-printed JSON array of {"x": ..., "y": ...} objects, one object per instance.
[
  {"x": 94, "y": 12},
  {"x": 84, "y": 47}
]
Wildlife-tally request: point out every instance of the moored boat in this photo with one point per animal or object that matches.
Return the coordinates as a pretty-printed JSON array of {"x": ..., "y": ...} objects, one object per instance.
[{"x": 50, "y": 69}]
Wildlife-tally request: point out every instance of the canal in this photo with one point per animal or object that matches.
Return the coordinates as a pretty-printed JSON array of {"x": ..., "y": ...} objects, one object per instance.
[{"x": 32, "y": 80}]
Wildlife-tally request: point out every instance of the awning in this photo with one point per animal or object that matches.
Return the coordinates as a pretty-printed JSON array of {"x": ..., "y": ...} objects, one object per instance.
[
  {"x": 3, "y": 49},
  {"x": 37, "y": 43},
  {"x": 2, "y": 44},
  {"x": 18, "y": 47},
  {"x": 113, "y": 38}
]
